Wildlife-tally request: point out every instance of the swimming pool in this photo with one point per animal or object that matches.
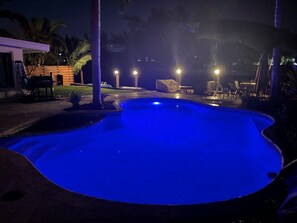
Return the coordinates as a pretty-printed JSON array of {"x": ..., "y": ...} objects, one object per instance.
[{"x": 159, "y": 151}]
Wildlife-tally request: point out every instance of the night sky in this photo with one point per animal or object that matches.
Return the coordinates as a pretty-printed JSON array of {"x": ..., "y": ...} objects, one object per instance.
[{"x": 75, "y": 13}]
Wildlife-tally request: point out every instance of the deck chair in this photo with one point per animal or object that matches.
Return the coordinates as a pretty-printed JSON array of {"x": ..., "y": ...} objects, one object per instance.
[
  {"x": 221, "y": 91},
  {"x": 235, "y": 89}
]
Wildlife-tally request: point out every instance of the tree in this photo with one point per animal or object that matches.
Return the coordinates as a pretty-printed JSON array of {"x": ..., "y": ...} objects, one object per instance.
[
  {"x": 95, "y": 49},
  {"x": 39, "y": 30},
  {"x": 77, "y": 53},
  {"x": 159, "y": 37},
  {"x": 95, "y": 52},
  {"x": 258, "y": 36},
  {"x": 274, "y": 92}
]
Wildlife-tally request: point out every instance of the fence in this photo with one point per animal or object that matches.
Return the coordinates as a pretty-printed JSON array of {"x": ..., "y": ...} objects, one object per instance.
[{"x": 62, "y": 75}]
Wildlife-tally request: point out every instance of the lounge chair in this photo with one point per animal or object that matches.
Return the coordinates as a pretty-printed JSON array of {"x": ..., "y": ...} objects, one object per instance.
[{"x": 221, "y": 91}]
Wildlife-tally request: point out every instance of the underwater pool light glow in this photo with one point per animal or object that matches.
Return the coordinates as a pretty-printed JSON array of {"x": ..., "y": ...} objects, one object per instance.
[{"x": 156, "y": 103}]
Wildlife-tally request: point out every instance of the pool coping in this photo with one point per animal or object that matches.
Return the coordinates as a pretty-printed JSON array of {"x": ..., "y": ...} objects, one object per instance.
[{"x": 43, "y": 197}]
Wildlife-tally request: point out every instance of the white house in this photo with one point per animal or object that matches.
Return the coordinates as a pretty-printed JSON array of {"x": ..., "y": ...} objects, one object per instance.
[{"x": 12, "y": 50}]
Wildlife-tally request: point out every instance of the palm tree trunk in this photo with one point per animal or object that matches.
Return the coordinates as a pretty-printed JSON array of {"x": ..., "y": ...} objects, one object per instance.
[
  {"x": 95, "y": 52},
  {"x": 274, "y": 91},
  {"x": 81, "y": 76}
]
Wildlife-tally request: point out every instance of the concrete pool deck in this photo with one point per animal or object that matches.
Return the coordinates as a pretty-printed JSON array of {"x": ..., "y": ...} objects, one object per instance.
[{"x": 27, "y": 196}]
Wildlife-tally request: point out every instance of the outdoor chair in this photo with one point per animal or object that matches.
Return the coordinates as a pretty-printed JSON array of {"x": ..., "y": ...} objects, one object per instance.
[
  {"x": 221, "y": 91},
  {"x": 235, "y": 89}
]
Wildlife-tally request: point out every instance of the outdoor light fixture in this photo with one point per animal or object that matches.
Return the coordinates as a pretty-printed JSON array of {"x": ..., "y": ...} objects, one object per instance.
[
  {"x": 217, "y": 71},
  {"x": 135, "y": 74},
  {"x": 116, "y": 72},
  {"x": 178, "y": 75},
  {"x": 117, "y": 78},
  {"x": 178, "y": 71}
]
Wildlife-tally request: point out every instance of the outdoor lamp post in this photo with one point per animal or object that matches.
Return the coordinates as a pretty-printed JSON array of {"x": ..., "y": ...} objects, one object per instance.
[
  {"x": 135, "y": 74},
  {"x": 117, "y": 78},
  {"x": 178, "y": 75},
  {"x": 217, "y": 72}
]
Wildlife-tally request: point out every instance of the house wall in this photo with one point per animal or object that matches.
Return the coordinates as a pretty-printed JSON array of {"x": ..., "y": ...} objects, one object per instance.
[
  {"x": 16, "y": 48},
  {"x": 16, "y": 54}
]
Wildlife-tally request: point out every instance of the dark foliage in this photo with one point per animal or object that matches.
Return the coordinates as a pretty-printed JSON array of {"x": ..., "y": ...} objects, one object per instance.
[{"x": 284, "y": 110}]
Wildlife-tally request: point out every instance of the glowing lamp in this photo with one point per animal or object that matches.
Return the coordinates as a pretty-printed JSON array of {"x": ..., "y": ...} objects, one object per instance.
[
  {"x": 135, "y": 72},
  {"x": 217, "y": 71},
  {"x": 116, "y": 72},
  {"x": 178, "y": 71},
  {"x": 117, "y": 78}
]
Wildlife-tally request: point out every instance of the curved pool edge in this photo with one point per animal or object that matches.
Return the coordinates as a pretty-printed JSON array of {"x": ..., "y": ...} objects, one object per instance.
[
  {"x": 140, "y": 211},
  {"x": 267, "y": 139},
  {"x": 56, "y": 200}
]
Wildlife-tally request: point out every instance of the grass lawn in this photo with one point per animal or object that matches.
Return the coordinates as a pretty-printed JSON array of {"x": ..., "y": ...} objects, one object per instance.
[{"x": 65, "y": 91}]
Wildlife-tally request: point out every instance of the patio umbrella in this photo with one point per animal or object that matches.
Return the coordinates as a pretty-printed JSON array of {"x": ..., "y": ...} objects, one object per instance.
[{"x": 255, "y": 35}]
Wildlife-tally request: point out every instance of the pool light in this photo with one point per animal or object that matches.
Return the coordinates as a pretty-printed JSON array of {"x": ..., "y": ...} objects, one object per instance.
[{"x": 156, "y": 103}]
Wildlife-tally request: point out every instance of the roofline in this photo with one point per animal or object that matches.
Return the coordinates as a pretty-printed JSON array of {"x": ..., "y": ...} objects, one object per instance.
[{"x": 27, "y": 46}]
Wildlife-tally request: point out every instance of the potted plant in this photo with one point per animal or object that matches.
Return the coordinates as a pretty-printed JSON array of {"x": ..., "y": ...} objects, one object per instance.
[{"x": 75, "y": 98}]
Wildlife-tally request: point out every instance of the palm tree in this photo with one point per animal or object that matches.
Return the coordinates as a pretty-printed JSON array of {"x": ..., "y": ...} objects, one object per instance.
[
  {"x": 39, "y": 30},
  {"x": 274, "y": 92},
  {"x": 95, "y": 52},
  {"x": 77, "y": 53},
  {"x": 95, "y": 49}
]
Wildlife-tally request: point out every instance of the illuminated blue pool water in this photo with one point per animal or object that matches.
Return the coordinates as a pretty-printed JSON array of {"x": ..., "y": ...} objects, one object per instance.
[{"x": 159, "y": 151}]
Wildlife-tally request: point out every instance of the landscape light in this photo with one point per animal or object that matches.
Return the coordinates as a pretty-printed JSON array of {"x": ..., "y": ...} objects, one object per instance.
[
  {"x": 135, "y": 72},
  {"x": 116, "y": 72},
  {"x": 178, "y": 75},
  {"x": 117, "y": 78},
  {"x": 217, "y": 71}
]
